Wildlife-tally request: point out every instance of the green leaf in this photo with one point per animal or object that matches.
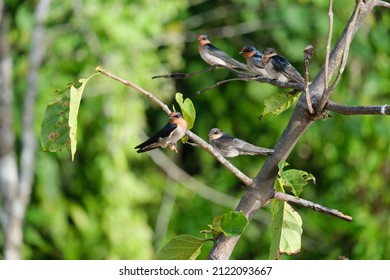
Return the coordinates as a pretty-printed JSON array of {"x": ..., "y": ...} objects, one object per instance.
[
  {"x": 286, "y": 230},
  {"x": 298, "y": 179},
  {"x": 182, "y": 247},
  {"x": 187, "y": 109},
  {"x": 75, "y": 99},
  {"x": 55, "y": 127},
  {"x": 278, "y": 103},
  {"x": 233, "y": 223},
  {"x": 293, "y": 179}
]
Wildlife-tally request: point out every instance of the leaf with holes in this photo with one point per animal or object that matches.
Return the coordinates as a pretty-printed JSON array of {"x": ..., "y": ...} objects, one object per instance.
[
  {"x": 55, "y": 126},
  {"x": 293, "y": 179}
]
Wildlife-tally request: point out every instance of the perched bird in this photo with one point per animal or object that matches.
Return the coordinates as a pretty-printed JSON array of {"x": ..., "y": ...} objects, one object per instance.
[
  {"x": 253, "y": 59},
  {"x": 214, "y": 56},
  {"x": 229, "y": 146},
  {"x": 172, "y": 132},
  {"x": 280, "y": 68}
]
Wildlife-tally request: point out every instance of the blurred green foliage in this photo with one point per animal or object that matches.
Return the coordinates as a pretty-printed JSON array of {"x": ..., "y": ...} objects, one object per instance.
[{"x": 108, "y": 203}]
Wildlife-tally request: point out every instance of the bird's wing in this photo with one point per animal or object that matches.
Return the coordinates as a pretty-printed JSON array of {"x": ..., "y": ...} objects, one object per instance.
[
  {"x": 164, "y": 132},
  {"x": 283, "y": 65},
  {"x": 224, "y": 142},
  {"x": 245, "y": 148},
  {"x": 225, "y": 57}
]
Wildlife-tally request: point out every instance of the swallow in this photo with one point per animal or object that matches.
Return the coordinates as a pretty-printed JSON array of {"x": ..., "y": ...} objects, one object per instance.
[
  {"x": 253, "y": 59},
  {"x": 214, "y": 56},
  {"x": 172, "y": 132},
  {"x": 280, "y": 68},
  {"x": 229, "y": 146}
]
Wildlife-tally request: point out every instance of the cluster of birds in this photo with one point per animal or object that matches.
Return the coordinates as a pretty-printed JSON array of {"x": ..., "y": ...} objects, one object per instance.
[{"x": 265, "y": 64}]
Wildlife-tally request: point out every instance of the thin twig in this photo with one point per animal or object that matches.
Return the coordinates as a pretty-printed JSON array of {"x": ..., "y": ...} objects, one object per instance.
[
  {"x": 178, "y": 76},
  {"x": 137, "y": 88},
  {"x": 357, "y": 110},
  {"x": 308, "y": 52},
  {"x": 325, "y": 94},
  {"x": 329, "y": 41},
  {"x": 349, "y": 37},
  {"x": 224, "y": 82},
  {"x": 250, "y": 77},
  {"x": 328, "y": 90},
  {"x": 314, "y": 206}
]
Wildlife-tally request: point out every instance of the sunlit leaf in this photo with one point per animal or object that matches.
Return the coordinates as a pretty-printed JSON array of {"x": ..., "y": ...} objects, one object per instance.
[
  {"x": 182, "y": 247},
  {"x": 286, "y": 230},
  {"x": 75, "y": 99},
  {"x": 187, "y": 109},
  {"x": 278, "y": 103}
]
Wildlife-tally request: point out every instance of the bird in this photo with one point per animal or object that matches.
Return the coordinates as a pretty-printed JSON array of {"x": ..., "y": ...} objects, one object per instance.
[
  {"x": 253, "y": 59},
  {"x": 214, "y": 56},
  {"x": 172, "y": 132},
  {"x": 280, "y": 68},
  {"x": 229, "y": 146}
]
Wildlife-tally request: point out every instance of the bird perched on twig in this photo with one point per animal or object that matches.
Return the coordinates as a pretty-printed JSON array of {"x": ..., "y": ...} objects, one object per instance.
[
  {"x": 253, "y": 59},
  {"x": 280, "y": 68},
  {"x": 214, "y": 56},
  {"x": 229, "y": 146},
  {"x": 172, "y": 132}
]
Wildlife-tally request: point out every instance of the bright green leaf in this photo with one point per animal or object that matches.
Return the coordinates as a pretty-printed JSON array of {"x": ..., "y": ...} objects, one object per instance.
[
  {"x": 182, "y": 247},
  {"x": 75, "y": 99},
  {"x": 55, "y": 128},
  {"x": 278, "y": 103},
  {"x": 187, "y": 109},
  {"x": 286, "y": 230}
]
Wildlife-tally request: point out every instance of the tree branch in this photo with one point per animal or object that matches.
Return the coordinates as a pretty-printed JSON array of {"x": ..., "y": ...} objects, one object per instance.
[
  {"x": 260, "y": 79},
  {"x": 382, "y": 4},
  {"x": 163, "y": 106},
  {"x": 357, "y": 110},
  {"x": 314, "y": 206},
  {"x": 348, "y": 37},
  {"x": 308, "y": 52}
]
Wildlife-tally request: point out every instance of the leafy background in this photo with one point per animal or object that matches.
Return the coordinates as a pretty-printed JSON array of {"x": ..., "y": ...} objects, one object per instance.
[{"x": 112, "y": 203}]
